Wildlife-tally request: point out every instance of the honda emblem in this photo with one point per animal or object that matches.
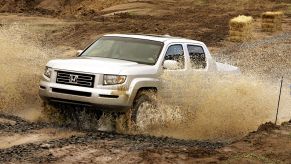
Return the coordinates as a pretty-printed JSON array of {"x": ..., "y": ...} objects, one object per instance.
[{"x": 73, "y": 79}]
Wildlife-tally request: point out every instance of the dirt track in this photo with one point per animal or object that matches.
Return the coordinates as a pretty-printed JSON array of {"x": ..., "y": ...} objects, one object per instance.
[
  {"x": 62, "y": 30},
  {"x": 96, "y": 146},
  {"x": 269, "y": 144}
]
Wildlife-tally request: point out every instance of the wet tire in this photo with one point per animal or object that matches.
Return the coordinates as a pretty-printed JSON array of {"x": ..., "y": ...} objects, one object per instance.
[{"x": 144, "y": 101}]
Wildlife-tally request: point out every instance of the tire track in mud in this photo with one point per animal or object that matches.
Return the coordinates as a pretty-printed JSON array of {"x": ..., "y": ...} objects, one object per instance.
[
  {"x": 26, "y": 152},
  {"x": 21, "y": 126},
  {"x": 40, "y": 152}
]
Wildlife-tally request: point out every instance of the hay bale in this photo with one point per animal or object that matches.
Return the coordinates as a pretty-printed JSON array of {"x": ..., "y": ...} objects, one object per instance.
[
  {"x": 240, "y": 28},
  {"x": 272, "y": 15},
  {"x": 242, "y": 20},
  {"x": 272, "y": 21},
  {"x": 238, "y": 33}
]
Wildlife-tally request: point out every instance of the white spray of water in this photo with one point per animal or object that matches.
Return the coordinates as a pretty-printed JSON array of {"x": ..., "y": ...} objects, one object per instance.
[{"x": 211, "y": 106}]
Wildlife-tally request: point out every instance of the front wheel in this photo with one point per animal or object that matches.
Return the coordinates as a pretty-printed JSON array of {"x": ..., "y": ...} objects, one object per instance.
[{"x": 143, "y": 109}]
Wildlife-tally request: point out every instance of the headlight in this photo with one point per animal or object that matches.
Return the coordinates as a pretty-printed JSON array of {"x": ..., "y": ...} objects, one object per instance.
[
  {"x": 113, "y": 79},
  {"x": 48, "y": 72}
]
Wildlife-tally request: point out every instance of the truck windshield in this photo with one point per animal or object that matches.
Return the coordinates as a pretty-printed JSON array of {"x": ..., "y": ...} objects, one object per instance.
[{"x": 122, "y": 48}]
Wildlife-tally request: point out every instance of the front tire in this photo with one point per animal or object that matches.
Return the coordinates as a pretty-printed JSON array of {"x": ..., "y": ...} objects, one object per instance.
[{"x": 143, "y": 107}]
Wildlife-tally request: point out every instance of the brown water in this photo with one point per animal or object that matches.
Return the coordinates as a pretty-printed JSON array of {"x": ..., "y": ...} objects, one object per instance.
[
  {"x": 22, "y": 62},
  {"x": 213, "y": 106}
]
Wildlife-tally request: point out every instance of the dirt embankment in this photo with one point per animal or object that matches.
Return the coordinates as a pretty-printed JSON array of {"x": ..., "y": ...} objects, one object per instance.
[{"x": 201, "y": 20}]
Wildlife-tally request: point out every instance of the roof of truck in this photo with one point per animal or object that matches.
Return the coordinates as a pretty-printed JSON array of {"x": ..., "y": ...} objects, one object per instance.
[{"x": 159, "y": 38}]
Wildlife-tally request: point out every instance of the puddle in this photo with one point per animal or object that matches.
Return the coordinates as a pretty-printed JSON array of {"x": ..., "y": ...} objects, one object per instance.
[{"x": 8, "y": 140}]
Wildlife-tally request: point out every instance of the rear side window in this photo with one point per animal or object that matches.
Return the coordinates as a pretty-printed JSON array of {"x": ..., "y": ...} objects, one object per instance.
[
  {"x": 176, "y": 52},
  {"x": 197, "y": 56}
]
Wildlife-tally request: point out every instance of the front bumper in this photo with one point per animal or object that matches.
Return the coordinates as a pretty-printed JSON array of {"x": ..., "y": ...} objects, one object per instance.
[{"x": 82, "y": 95}]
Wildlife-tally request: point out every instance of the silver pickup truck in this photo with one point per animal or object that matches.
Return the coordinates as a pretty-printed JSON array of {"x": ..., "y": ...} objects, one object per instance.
[{"x": 119, "y": 71}]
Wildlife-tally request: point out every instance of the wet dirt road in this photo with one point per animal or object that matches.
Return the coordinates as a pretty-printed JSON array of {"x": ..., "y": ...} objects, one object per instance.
[
  {"x": 22, "y": 141},
  {"x": 25, "y": 142}
]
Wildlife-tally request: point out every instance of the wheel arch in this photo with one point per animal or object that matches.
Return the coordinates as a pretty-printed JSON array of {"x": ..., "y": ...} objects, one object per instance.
[{"x": 143, "y": 89}]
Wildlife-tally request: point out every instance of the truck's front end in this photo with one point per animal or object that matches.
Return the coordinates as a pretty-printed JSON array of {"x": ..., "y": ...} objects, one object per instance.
[{"x": 107, "y": 73}]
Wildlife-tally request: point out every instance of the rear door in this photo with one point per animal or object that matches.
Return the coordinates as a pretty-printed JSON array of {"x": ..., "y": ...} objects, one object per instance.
[{"x": 198, "y": 57}]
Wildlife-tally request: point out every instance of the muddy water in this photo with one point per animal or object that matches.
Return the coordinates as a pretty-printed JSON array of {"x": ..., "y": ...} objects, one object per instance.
[
  {"x": 8, "y": 140},
  {"x": 21, "y": 64},
  {"x": 212, "y": 107}
]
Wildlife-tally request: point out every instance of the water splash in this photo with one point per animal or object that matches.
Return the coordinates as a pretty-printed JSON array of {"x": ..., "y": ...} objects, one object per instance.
[
  {"x": 200, "y": 106},
  {"x": 21, "y": 64}
]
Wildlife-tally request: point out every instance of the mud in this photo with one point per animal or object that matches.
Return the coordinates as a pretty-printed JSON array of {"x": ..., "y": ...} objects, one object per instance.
[
  {"x": 269, "y": 126},
  {"x": 20, "y": 124},
  {"x": 152, "y": 17},
  {"x": 8, "y": 140},
  {"x": 219, "y": 122},
  {"x": 104, "y": 147},
  {"x": 37, "y": 150}
]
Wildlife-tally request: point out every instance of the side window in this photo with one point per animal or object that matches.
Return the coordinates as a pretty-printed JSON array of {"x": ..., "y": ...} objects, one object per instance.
[
  {"x": 197, "y": 56},
  {"x": 176, "y": 52}
]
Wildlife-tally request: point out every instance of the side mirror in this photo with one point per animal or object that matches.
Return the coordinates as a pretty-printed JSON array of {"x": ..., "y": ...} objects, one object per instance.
[
  {"x": 78, "y": 53},
  {"x": 171, "y": 64}
]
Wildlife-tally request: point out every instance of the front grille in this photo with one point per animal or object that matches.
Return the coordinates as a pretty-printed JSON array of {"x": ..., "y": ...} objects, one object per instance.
[{"x": 77, "y": 79}]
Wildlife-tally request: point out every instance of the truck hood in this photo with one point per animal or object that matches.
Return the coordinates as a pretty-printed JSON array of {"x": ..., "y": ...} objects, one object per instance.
[{"x": 93, "y": 65}]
